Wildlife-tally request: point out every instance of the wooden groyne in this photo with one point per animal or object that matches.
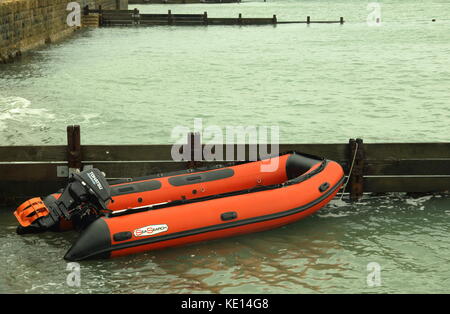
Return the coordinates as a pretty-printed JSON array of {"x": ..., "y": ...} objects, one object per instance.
[
  {"x": 28, "y": 171},
  {"x": 134, "y": 17}
]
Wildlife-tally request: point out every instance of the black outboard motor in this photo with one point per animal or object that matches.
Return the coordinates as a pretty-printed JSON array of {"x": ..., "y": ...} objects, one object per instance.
[{"x": 84, "y": 199}]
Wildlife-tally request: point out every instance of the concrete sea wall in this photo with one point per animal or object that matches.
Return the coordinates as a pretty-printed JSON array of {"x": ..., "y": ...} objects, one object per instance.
[{"x": 27, "y": 24}]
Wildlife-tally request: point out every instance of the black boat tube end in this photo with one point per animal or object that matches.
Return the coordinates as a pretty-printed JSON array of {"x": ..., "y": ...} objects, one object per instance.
[
  {"x": 94, "y": 242},
  {"x": 298, "y": 164}
]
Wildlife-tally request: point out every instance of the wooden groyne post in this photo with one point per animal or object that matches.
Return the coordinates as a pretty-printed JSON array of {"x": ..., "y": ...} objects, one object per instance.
[
  {"x": 136, "y": 17},
  {"x": 74, "y": 156},
  {"x": 195, "y": 148},
  {"x": 356, "y": 171},
  {"x": 169, "y": 17}
]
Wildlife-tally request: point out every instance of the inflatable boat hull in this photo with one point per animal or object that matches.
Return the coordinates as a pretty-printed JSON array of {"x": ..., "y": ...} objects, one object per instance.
[{"x": 279, "y": 199}]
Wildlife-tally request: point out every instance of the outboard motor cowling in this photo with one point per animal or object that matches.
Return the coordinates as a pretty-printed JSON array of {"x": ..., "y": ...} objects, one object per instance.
[{"x": 87, "y": 193}]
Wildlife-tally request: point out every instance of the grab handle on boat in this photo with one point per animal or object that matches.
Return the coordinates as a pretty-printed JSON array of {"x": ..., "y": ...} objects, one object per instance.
[
  {"x": 193, "y": 178},
  {"x": 228, "y": 216},
  {"x": 324, "y": 186}
]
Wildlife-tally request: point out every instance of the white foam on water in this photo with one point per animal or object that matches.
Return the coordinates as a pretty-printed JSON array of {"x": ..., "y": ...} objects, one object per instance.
[
  {"x": 87, "y": 117},
  {"x": 337, "y": 202},
  {"x": 15, "y": 109},
  {"x": 334, "y": 215},
  {"x": 418, "y": 201},
  {"x": 335, "y": 209}
]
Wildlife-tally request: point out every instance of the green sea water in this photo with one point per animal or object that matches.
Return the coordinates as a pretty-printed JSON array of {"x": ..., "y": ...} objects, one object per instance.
[{"x": 320, "y": 83}]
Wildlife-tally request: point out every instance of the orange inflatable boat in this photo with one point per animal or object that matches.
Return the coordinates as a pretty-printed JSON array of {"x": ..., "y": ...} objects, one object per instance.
[{"x": 174, "y": 209}]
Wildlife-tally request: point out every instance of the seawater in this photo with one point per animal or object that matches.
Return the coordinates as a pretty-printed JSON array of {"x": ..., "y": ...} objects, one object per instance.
[{"x": 318, "y": 83}]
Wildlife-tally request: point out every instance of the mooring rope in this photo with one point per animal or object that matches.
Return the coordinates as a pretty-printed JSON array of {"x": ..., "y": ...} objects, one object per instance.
[{"x": 349, "y": 173}]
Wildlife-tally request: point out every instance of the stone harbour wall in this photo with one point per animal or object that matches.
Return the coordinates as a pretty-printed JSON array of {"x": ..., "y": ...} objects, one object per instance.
[{"x": 27, "y": 24}]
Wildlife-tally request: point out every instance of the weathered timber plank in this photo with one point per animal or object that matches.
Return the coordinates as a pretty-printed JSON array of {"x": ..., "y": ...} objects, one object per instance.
[
  {"x": 380, "y": 151},
  {"x": 33, "y": 153},
  {"x": 29, "y": 172},
  {"x": 165, "y": 16},
  {"x": 117, "y": 20},
  {"x": 126, "y": 152},
  {"x": 13, "y": 193},
  {"x": 111, "y": 11},
  {"x": 145, "y": 152},
  {"x": 395, "y": 158},
  {"x": 187, "y": 16},
  {"x": 133, "y": 152},
  {"x": 154, "y": 16},
  {"x": 335, "y": 152},
  {"x": 153, "y": 22},
  {"x": 408, "y": 167},
  {"x": 117, "y": 16},
  {"x": 423, "y": 184},
  {"x": 119, "y": 23},
  {"x": 187, "y": 23},
  {"x": 324, "y": 22},
  {"x": 222, "y": 21},
  {"x": 257, "y": 20}
]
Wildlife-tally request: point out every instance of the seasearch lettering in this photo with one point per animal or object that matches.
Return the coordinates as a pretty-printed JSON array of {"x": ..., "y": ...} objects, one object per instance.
[{"x": 193, "y": 304}]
